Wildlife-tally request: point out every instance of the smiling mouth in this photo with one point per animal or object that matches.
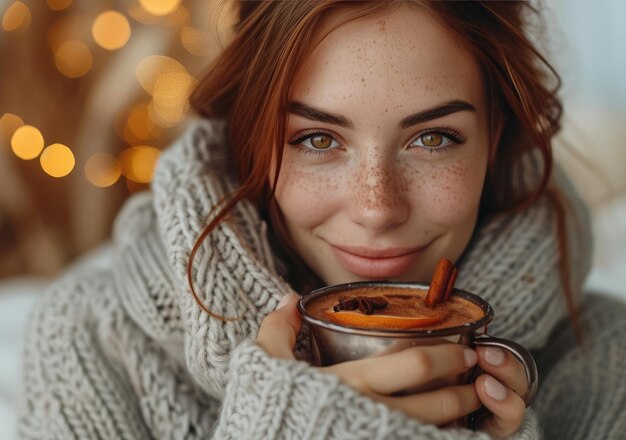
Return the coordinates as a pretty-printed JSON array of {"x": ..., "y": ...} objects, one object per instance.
[{"x": 377, "y": 263}]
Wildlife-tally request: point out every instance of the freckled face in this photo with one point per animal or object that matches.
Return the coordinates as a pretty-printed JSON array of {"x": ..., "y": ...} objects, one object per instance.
[{"x": 366, "y": 191}]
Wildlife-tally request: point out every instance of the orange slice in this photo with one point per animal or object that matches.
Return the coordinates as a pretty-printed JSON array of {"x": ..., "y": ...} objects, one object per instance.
[{"x": 356, "y": 319}]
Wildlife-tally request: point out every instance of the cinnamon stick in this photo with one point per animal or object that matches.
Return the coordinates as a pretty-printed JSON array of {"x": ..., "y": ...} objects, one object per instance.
[
  {"x": 451, "y": 282},
  {"x": 439, "y": 283}
]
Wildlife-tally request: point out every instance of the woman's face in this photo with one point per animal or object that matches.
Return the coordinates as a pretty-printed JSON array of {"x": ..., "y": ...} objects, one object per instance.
[{"x": 386, "y": 150}]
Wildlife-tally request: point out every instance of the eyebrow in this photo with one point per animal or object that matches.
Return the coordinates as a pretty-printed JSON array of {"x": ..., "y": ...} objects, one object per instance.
[{"x": 439, "y": 111}]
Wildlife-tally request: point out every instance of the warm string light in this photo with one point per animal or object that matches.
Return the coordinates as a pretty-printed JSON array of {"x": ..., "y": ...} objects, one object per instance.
[
  {"x": 139, "y": 125},
  {"x": 73, "y": 59},
  {"x": 165, "y": 79},
  {"x": 140, "y": 15},
  {"x": 111, "y": 30},
  {"x": 195, "y": 41},
  {"x": 138, "y": 163},
  {"x": 59, "y": 5},
  {"x": 17, "y": 16},
  {"x": 27, "y": 142},
  {"x": 57, "y": 160},
  {"x": 169, "y": 84},
  {"x": 179, "y": 17},
  {"x": 152, "y": 67},
  {"x": 159, "y": 7},
  {"x": 171, "y": 97},
  {"x": 102, "y": 170}
]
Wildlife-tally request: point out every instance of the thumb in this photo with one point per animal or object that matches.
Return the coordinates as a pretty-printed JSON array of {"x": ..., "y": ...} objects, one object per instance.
[{"x": 278, "y": 331}]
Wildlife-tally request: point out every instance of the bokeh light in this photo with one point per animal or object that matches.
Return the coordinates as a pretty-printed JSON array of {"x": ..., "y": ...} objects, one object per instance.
[
  {"x": 27, "y": 142},
  {"x": 159, "y": 7},
  {"x": 140, "y": 15},
  {"x": 102, "y": 170},
  {"x": 17, "y": 16},
  {"x": 57, "y": 160},
  {"x": 178, "y": 18},
  {"x": 156, "y": 117},
  {"x": 138, "y": 163},
  {"x": 196, "y": 42},
  {"x": 8, "y": 124},
  {"x": 171, "y": 96},
  {"x": 151, "y": 68},
  {"x": 59, "y": 5},
  {"x": 139, "y": 124},
  {"x": 111, "y": 30},
  {"x": 73, "y": 59}
]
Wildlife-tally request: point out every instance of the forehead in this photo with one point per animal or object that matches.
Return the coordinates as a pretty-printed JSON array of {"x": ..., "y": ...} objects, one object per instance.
[{"x": 402, "y": 59}]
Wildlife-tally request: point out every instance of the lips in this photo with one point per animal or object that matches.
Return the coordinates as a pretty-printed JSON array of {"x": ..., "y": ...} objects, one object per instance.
[{"x": 377, "y": 263}]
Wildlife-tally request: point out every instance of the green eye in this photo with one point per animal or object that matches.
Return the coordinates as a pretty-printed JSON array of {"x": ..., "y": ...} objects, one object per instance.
[
  {"x": 321, "y": 141},
  {"x": 432, "y": 139}
]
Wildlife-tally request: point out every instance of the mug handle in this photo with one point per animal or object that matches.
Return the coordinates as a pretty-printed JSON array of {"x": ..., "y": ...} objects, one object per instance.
[{"x": 522, "y": 355}]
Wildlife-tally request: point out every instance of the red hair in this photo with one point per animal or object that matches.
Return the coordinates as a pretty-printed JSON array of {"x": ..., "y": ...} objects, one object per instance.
[{"x": 250, "y": 82}]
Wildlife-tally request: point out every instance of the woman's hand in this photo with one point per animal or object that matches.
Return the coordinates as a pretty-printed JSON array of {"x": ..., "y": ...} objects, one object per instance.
[
  {"x": 431, "y": 370},
  {"x": 501, "y": 390}
]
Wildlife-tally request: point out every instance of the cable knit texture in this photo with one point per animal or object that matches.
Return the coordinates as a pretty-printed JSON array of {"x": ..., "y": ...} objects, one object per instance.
[{"x": 126, "y": 353}]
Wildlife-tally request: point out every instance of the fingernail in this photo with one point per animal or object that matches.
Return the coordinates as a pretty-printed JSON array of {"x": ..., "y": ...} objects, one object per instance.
[
  {"x": 494, "y": 389},
  {"x": 470, "y": 357},
  {"x": 494, "y": 356},
  {"x": 283, "y": 301}
]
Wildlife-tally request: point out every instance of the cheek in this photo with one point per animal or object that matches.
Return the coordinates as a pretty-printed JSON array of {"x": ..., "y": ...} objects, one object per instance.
[
  {"x": 450, "y": 193},
  {"x": 307, "y": 198}
]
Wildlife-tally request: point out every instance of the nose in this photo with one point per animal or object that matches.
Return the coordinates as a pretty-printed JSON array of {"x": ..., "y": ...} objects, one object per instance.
[{"x": 378, "y": 200}]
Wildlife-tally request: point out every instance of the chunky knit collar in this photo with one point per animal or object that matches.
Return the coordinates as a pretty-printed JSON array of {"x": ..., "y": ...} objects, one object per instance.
[{"x": 512, "y": 262}]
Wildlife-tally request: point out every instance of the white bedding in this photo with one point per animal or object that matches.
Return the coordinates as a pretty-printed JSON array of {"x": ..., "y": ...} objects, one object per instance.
[{"x": 16, "y": 299}]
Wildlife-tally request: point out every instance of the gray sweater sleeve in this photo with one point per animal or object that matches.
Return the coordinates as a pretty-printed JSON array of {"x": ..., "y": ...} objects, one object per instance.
[
  {"x": 73, "y": 386},
  {"x": 268, "y": 398},
  {"x": 90, "y": 373}
]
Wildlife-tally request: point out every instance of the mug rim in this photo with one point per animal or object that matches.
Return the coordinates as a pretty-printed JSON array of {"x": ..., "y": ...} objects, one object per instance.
[{"x": 395, "y": 333}]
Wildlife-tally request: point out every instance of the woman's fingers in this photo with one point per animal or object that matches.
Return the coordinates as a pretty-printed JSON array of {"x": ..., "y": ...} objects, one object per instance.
[
  {"x": 503, "y": 366},
  {"x": 381, "y": 376},
  {"x": 278, "y": 331},
  {"x": 507, "y": 407},
  {"x": 439, "y": 407},
  {"x": 406, "y": 369}
]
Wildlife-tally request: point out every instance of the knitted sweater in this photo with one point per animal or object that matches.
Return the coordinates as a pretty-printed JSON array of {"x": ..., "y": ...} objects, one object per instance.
[{"x": 125, "y": 353}]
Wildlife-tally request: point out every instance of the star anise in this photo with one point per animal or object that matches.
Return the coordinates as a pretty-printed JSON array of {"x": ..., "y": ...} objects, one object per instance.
[{"x": 366, "y": 304}]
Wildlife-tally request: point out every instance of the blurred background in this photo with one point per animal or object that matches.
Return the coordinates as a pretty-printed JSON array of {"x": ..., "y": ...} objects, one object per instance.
[{"x": 91, "y": 91}]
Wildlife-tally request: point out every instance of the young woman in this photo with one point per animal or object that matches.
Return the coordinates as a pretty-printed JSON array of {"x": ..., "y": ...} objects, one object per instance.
[{"x": 340, "y": 141}]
